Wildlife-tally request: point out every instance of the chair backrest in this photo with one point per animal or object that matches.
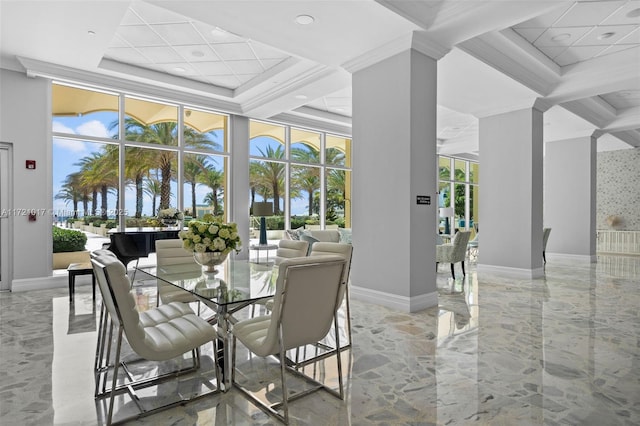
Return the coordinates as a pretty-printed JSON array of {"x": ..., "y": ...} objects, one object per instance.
[
  {"x": 115, "y": 287},
  {"x": 99, "y": 261},
  {"x": 171, "y": 252},
  {"x": 340, "y": 249},
  {"x": 306, "y": 300},
  {"x": 545, "y": 237},
  {"x": 460, "y": 241},
  {"x": 291, "y": 248}
]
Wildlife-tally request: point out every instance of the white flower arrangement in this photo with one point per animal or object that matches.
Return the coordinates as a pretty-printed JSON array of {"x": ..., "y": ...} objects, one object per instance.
[
  {"x": 170, "y": 213},
  {"x": 203, "y": 236}
]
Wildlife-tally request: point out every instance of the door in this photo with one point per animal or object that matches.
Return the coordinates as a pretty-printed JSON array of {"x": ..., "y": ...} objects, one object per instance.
[{"x": 5, "y": 217}]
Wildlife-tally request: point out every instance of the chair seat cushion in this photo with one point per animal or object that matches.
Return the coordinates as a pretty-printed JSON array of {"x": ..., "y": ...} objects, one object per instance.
[
  {"x": 171, "y": 330},
  {"x": 252, "y": 333}
]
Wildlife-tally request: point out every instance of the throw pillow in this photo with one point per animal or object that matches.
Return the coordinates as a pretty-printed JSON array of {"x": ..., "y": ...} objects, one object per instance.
[
  {"x": 292, "y": 234},
  {"x": 345, "y": 235}
]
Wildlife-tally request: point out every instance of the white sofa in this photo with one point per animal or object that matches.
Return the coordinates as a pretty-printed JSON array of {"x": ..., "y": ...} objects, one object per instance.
[{"x": 323, "y": 235}]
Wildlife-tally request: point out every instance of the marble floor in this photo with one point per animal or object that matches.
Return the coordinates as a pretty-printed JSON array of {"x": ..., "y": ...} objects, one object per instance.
[{"x": 561, "y": 350}]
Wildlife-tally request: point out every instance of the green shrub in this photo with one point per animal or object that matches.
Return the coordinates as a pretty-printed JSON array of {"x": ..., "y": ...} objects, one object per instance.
[{"x": 65, "y": 240}]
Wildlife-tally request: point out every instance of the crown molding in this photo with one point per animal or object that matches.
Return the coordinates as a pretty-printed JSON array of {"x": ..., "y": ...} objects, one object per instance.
[
  {"x": 309, "y": 78},
  {"x": 631, "y": 137},
  {"x": 626, "y": 119},
  {"x": 313, "y": 121},
  {"x": 604, "y": 74},
  {"x": 417, "y": 40},
  {"x": 35, "y": 68},
  {"x": 539, "y": 104},
  {"x": 145, "y": 76},
  {"x": 594, "y": 110},
  {"x": 508, "y": 54}
]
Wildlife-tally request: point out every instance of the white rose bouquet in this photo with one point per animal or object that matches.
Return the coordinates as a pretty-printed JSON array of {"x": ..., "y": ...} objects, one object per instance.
[
  {"x": 201, "y": 237},
  {"x": 170, "y": 214}
]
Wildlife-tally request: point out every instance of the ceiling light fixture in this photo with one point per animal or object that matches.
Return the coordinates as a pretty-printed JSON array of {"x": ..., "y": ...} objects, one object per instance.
[
  {"x": 561, "y": 37},
  {"x": 304, "y": 19},
  {"x": 605, "y": 36},
  {"x": 197, "y": 53},
  {"x": 300, "y": 96},
  {"x": 179, "y": 69},
  {"x": 91, "y": 33}
]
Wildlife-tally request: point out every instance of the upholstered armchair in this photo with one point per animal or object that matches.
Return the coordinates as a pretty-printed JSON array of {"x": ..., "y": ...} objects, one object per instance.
[{"x": 454, "y": 252}]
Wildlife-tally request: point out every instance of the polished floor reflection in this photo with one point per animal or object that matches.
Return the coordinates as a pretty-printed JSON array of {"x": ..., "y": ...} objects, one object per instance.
[{"x": 561, "y": 350}]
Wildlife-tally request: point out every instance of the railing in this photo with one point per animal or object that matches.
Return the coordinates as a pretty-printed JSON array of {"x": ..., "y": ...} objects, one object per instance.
[{"x": 619, "y": 242}]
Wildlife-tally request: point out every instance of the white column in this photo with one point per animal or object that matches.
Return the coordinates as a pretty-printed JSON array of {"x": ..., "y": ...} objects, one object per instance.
[
  {"x": 239, "y": 185},
  {"x": 394, "y": 139},
  {"x": 511, "y": 193},
  {"x": 570, "y": 197}
]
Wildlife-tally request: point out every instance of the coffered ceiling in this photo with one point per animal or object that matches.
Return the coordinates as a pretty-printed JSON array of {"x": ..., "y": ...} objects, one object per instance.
[{"x": 579, "y": 59}]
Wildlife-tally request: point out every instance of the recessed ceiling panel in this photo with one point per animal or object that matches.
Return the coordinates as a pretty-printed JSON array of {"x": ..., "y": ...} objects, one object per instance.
[
  {"x": 178, "y": 34},
  {"x": 605, "y": 35},
  {"x": 588, "y": 13},
  {"x": 577, "y": 54}
]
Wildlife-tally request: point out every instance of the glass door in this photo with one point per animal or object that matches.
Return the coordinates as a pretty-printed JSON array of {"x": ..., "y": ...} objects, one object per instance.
[{"x": 5, "y": 277}]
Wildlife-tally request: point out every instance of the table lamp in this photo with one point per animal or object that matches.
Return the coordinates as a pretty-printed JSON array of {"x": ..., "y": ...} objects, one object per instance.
[
  {"x": 446, "y": 212},
  {"x": 262, "y": 209}
]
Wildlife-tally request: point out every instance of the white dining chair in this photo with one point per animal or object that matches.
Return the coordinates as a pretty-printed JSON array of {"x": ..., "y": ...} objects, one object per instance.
[{"x": 305, "y": 306}]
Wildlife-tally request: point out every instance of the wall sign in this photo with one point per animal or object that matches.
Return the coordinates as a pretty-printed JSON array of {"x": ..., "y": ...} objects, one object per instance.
[{"x": 423, "y": 199}]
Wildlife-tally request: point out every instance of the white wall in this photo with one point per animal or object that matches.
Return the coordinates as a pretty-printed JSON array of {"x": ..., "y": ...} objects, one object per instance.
[
  {"x": 25, "y": 122},
  {"x": 570, "y": 196}
]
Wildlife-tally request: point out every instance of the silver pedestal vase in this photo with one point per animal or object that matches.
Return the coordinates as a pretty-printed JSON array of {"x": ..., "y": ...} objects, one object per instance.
[{"x": 209, "y": 260}]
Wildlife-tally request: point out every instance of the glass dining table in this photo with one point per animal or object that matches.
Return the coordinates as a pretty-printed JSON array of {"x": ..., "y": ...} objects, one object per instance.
[{"x": 236, "y": 285}]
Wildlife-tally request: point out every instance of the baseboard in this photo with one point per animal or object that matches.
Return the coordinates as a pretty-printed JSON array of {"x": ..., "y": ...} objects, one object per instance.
[
  {"x": 572, "y": 257},
  {"x": 42, "y": 283},
  {"x": 394, "y": 301},
  {"x": 510, "y": 272}
]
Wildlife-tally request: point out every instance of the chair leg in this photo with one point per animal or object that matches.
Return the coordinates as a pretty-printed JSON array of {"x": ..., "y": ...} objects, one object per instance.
[
  {"x": 464, "y": 274},
  {"x": 453, "y": 274},
  {"x": 544, "y": 257}
]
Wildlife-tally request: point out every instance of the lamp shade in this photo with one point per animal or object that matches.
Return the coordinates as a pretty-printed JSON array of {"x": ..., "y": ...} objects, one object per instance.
[
  {"x": 446, "y": 211},
  {"x": 264, "y": 208}
]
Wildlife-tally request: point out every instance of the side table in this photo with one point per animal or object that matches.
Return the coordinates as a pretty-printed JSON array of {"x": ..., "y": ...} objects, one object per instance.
[
  {"x": 75, "y": 269},
  {"x": 262, "y": 247}
]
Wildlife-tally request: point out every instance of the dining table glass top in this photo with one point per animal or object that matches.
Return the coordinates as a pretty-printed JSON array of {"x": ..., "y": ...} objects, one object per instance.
[{"x": 236, "y": 282}]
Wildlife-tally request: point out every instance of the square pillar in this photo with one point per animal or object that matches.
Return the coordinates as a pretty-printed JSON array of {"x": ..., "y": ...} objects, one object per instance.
[
  {"x": 511, "y": 193},
  {"x": 395, "y": 164},
  {"x": 570, "y": 197}
]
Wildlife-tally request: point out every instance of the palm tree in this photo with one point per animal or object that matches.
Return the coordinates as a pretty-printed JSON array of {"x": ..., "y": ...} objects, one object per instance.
[
  {"x": 136, "y": 168},
  {"x": 307, "y": 178},
  {"x": 194, "y": 167},
  {"x": 269, "y": 175},
  {"x": 152, "y": 189},
  {"x": 99, "y": 171},
  {"x": 70, "y": 192},
  {"x": 214, "y": 179}
]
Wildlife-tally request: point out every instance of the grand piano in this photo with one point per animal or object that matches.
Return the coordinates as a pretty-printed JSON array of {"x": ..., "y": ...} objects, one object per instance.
[{"x": 135, "y": 243}]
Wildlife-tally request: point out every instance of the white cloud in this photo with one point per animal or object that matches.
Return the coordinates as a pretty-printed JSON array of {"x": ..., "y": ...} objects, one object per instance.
[
  {"x": 93, "y": 128},
  {"x": 69, "y": 144},
  {"x": 59, "y": 127}
]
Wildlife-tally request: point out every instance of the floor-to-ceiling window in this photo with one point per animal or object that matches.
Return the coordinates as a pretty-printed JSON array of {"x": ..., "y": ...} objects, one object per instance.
[
  {"x": 458, "y": 192},
  {"x": 304, "y": 173},
  {"x": 119, "y": 158}
]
